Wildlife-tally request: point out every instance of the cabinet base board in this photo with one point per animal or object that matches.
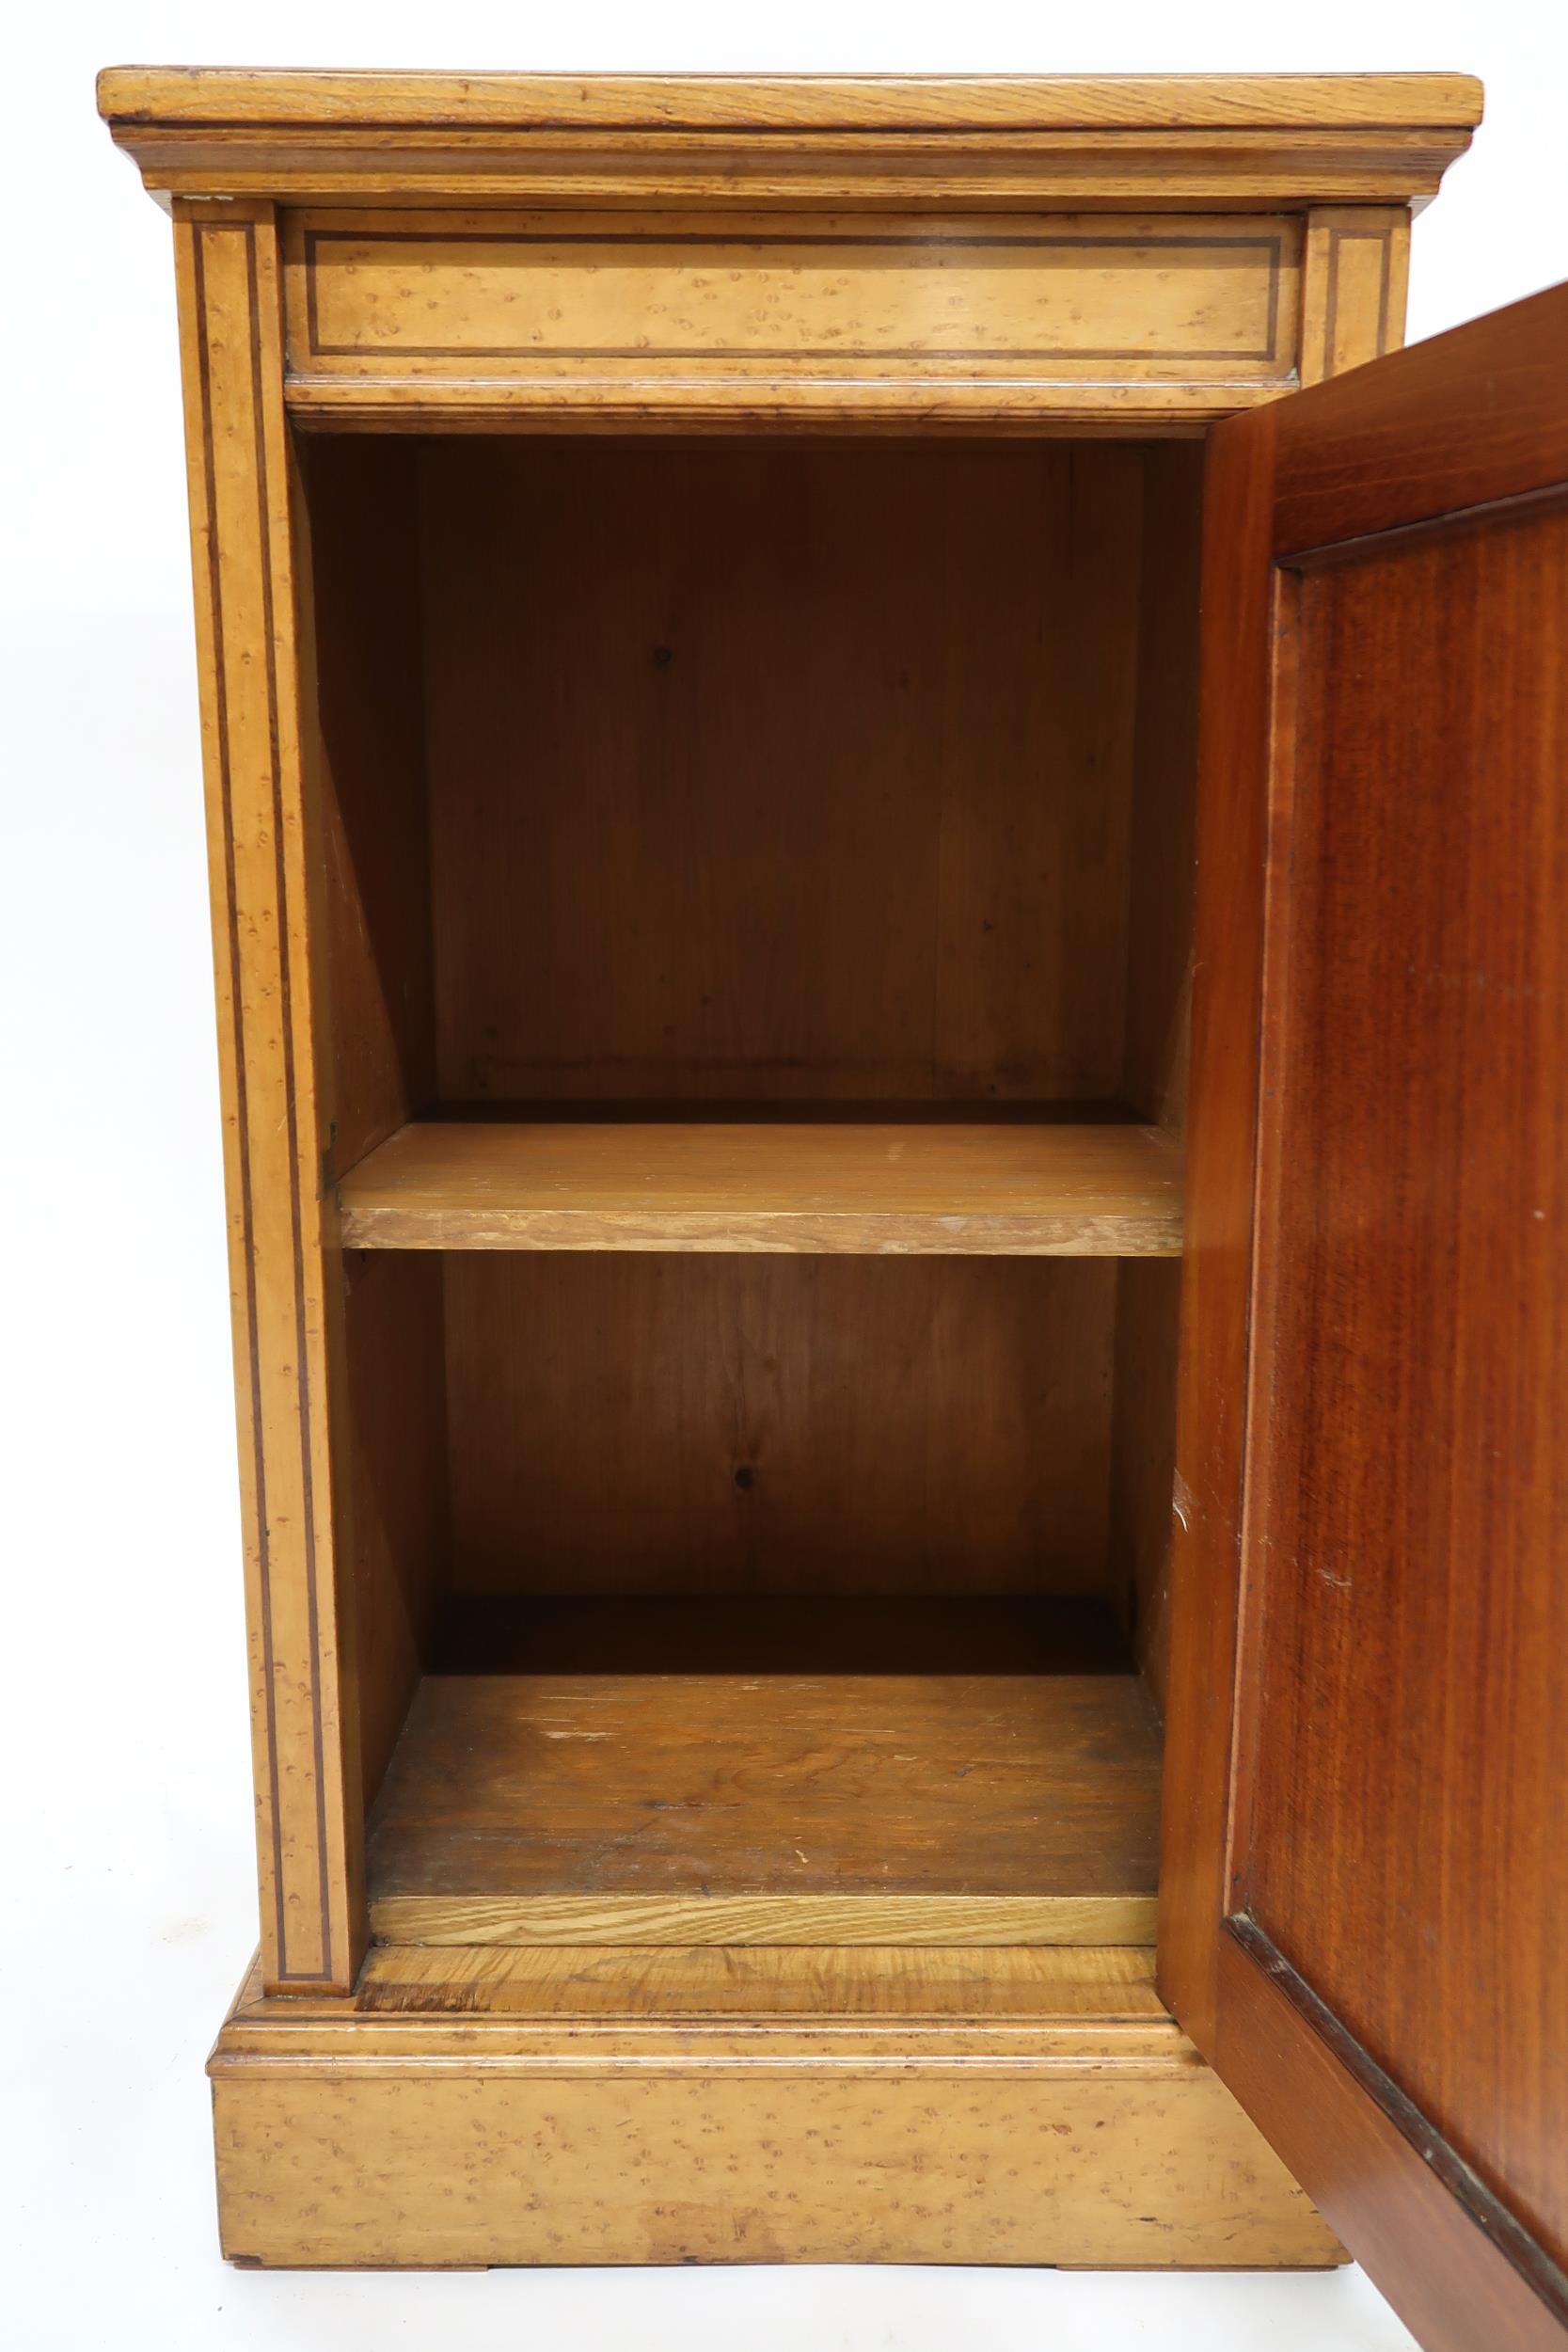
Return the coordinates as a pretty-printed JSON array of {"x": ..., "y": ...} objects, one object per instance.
[{"x": 450, "y": 2136}]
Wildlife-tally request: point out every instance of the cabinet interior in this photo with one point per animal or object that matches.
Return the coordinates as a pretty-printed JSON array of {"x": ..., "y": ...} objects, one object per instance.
[{"x": 753, "y": 937}]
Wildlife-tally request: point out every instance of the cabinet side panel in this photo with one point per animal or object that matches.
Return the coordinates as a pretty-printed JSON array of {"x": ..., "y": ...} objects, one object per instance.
[
  {"x": 395, "y": 1533},
  {"x": 361, "y": 673},
  {"x": 304, "y": 1736},
  {"x": 364, "y": 747}
]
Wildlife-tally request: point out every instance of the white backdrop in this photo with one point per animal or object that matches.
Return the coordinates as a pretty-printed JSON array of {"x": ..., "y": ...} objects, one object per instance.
[{"x": 127, "y": 1895}]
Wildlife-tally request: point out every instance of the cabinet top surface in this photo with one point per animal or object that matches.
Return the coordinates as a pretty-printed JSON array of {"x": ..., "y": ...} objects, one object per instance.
[{"x": 214, "y": 97}]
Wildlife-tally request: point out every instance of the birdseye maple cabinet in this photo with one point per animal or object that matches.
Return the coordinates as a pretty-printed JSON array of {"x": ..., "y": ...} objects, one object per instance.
[{"x": 770, "y": 651}]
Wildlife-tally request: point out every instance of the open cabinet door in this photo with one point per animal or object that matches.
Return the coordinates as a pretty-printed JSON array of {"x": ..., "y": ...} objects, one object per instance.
[{"x": 1364, "y": 1890}]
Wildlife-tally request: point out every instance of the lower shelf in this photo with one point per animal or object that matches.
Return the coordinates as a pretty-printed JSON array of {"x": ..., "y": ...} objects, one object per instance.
[
  {"x": 566, "y": 2107},
  {"x": 999, "y": 1186},
  {"x": 817, "y": 1774}
]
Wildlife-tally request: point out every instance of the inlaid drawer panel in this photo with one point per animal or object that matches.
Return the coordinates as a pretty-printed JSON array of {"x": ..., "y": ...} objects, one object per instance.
[{"x": 651, "y": 313}]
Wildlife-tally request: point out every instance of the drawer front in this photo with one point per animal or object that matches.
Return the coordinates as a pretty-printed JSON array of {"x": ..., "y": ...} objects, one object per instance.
[{"x": 665, "y": 314}]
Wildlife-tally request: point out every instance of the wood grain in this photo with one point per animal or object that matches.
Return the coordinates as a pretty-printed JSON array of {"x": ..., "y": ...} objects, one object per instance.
[
  {"x": 1162, "y": 884},
  {"x": 394, "y": 1518},
  {"x": 1407, "y": 1488},
  {"x": 1381, "y": 451},
  {"x": 802, "y": 411},
  {"x": 944, "y": 2142},
  {"x": 1059, "y": 1190},
  {"x": 362, "y": 738},
  {"x": 1217, "y": 1261},
  {"x": 867, "y": 1806},
  {"x": 724, "y": 806},
  {"x": 1356, "y": 268},
  {"x": 1186, "y": 141},
  {"x": 1162, "y": 855},
  {"x": 1143, "y": 1459},
  {"x": 305, "y": 1738},
  {"x": 214, "y": 95},
  {"x": 1079, "y": 2126},
  {"x": 575, "y": 310},
  {"x": 1456, "y": 2283},
  {"x": 996, "y": 1922},
  {"x": 444, "y": 291},
  {"x": 628, "y": 1423},
  {"x": 1379, "y": 1981},
  {"x": 549, "y": 1981},
  {"x": 773, "y": 771}
]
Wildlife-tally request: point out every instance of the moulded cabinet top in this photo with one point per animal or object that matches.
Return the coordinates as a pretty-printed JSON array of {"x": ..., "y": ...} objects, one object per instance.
[{"x": 1115, "y": 139}]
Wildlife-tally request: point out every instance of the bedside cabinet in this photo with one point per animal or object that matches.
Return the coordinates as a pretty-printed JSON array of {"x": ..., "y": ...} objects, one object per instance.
[{"x": 888, "y": 821}]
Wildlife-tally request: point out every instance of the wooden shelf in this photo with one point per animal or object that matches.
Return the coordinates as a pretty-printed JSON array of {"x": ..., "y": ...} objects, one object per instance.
[
  {"x": 1003, "y": 1187},
  {"x": 997, "y": 1783}
]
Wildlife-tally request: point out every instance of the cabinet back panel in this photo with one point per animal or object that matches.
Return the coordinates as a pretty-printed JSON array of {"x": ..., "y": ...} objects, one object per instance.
[
  {"x": 780, "y": 770},
  {"x": 777, "y": 1424}
]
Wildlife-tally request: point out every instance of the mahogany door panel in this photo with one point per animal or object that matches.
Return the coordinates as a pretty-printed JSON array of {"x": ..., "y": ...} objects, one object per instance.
[{"x": 1365, "y": 1881}]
